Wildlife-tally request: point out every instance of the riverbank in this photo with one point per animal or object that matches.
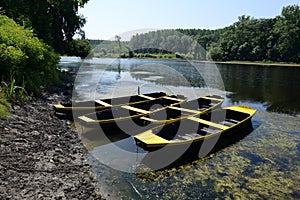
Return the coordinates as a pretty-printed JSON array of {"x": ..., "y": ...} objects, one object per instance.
[
  {"x": 42, "y": 157},
  {"x": 258, "y": 63}
]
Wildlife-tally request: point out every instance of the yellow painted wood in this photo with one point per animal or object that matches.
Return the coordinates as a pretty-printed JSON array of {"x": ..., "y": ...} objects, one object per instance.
[
  {"x": 211, "y": 98},
  {"x": 149, "y": 119},
  {"x": 219, "y": 126},
  {"x": 59, "y": 106},
  {"x": 86, "y": 119},
  {"x": 242, "y": 108},
  {"x": 103, "y": 103},
  {"x": 146, "y": 97},
  {"x": 149, "y": 138},
  {"x": 136, "y": 109},
  {"x": 185, "y": 109},
  {"x": 173, "y": 99}
]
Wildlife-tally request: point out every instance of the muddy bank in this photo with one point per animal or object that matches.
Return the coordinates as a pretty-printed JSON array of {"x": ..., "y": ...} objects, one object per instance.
[{"x": 41, "y": 157}]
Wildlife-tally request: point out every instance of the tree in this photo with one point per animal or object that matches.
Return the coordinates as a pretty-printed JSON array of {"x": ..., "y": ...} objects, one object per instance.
[
  {"x": 79, "y": 47},
  {"x": 186, "y": 42},
  {"x": 54, "y": 21},
  {"x": 118, "y": 39},
  {"x": 287, "y": 33}
]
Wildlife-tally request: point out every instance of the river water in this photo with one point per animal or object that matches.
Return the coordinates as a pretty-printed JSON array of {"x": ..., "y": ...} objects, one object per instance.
[{"x": 265, "y": 164}]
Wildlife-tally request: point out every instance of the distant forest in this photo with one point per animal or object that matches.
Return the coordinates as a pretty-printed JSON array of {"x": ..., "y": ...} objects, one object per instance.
[{"x": 249, "y": 39}]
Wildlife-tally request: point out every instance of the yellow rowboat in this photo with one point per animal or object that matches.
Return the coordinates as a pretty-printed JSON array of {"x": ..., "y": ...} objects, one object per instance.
[
  {"x": 65, "y": 110},
  {"x": 187, "y": 109},
  {"x": 123, "y": 128},
  {"x": 124, "y": 113},
  {"x": 196, "y": 129},
  {"x": 173, "y": 156}
]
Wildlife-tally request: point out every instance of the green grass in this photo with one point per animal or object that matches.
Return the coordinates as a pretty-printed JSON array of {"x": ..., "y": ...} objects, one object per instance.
[
  {"x": 4, "y": 104},
  {"x": 3, "y": 111}
]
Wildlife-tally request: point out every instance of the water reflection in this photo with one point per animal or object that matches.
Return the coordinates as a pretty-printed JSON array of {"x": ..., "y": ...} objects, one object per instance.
[{"x": 276, "y": 87}]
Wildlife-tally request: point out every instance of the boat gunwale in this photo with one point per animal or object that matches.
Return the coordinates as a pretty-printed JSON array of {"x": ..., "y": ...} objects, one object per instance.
[
  {"x": 200, "y": 138},
  {"x": 195, "y": 113},
  {"x": 92, "y": 122},
  {"x": 61, "y": 108}
]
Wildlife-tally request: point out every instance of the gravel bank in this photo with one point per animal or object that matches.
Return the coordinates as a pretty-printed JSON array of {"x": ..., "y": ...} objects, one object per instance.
[{"x": 41, "y": 157}]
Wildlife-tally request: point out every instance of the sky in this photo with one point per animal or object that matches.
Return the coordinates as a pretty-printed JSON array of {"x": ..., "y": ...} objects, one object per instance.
[{"x": 107, "y": 18}]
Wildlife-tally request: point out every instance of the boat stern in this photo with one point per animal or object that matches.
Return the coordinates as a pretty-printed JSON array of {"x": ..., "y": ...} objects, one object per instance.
[
  {"x": 243, "y": 109},
  {"x": 148, "y": 140}
]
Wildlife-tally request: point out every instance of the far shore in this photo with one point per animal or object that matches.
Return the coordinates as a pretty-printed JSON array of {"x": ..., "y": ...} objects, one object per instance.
[{"x": 258, "y": 63}]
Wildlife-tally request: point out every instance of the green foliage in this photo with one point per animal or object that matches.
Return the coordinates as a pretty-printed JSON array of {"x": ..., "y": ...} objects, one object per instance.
[
  {"x": 181, "y": 42},
  {"x": 80, "y": 48},
  {"x": 54, "y": 21},
  {"x": 276, "y": 39},
  {"x": 31, "y": 62},
  {"x": 252, "y": 39},
  {"x": 107, "y": 48},
  {"x": 15, "y": 93},
  {"x": 287, "y": 32},
  {"x": 4, "y": 104},
  {"x": 216, "y": 53}
]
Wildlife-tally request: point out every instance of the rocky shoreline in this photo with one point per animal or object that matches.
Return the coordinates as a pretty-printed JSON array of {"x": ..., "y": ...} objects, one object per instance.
[{"x": 42, "y": 157}]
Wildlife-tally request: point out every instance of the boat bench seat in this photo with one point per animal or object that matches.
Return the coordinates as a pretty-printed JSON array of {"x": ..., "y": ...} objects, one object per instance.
[
  {"x": 211, "y": 98},
  {"x": 103, "y": 103},
  {"x": 184, "y": 109},
  {"x": 148, "y": 119},
  {"x": 232, "y": 120},
  {"x": 205, "y": 106},
  {"x": 136, "y": 109},
  {"x": 173, "y": 99},
  {"x": 229, "y": 122},
  {"x": 209, "y": 123},
  {"x": 209, "y": 130},
  {"x": 146, "y": 97},
  {"x": 187, "y": 136}
]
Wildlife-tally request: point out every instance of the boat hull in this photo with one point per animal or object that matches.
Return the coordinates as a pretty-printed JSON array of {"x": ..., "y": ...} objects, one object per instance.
[
  {"x": 135, "y": 123},
  {"x": 164, "y": 158},
  {"x": 66, "y": 110},
  {"x": 193, "y": 130},
  {"x": 128, "y": 113}
]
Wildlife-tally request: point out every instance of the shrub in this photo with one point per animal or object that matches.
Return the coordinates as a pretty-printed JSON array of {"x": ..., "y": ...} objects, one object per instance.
[{"x": 32, "y": 62}]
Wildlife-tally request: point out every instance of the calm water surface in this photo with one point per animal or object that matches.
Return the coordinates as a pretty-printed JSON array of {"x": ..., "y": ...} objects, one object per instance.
[{"x": 265, "y": 164}]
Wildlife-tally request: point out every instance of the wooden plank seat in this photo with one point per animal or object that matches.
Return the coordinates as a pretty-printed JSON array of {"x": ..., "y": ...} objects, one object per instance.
[
  {"x": 103, "y": 103},
  {"x": 187, "y": 136},
  {"x": 184, "y": 109},
  {"x": 146, "y": 97},
  {"x": 209, "y": 123},
  {"x": 136, "y": 109},
  {"x": 209, "y": 130},
  {"x": 229, "y": 122}
]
